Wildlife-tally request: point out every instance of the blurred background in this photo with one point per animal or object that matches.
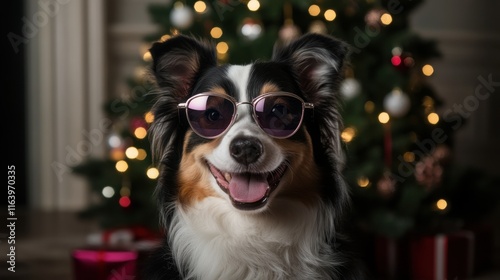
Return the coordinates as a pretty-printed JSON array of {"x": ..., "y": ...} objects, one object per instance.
[{"x": 421, "y": 127}]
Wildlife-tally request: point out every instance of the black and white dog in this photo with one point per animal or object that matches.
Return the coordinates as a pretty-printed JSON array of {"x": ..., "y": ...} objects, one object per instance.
[{"x": 250, "y": 159}]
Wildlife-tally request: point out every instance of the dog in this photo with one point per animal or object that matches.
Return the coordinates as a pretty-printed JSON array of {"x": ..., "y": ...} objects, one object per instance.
[{"x": 250, "y": 161}]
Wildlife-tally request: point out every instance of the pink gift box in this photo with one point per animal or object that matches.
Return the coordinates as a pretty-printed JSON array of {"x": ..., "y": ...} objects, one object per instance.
[{"x": 97, "y": 264}]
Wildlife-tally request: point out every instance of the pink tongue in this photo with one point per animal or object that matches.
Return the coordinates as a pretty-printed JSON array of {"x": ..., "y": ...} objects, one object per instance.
[{"x": 248, "y": 188}]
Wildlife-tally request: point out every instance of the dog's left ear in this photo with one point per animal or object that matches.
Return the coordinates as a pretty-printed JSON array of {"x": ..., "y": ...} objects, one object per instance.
[
  {"x": 317, "y": 60},
  {"x": 178, "y": 61}
]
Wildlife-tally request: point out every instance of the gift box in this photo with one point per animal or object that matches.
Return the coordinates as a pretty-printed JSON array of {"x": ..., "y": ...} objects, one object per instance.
[
  {"x": 442, "y": 256},
  {"x": 115, "y": 254},
  {"x": 392, "y": 258},
  {"x": 100, "y": 264}
]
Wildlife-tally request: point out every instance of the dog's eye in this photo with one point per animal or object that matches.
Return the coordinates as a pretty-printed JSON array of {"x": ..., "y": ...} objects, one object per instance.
[
  {"x": 212, "y": 115},
  {"x": 279, "y": 110}
]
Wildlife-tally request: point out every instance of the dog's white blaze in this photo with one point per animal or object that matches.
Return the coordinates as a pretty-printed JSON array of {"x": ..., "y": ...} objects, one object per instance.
[
  {"x": 244, "y": 126},
  {"x": 239, "y": 75}
]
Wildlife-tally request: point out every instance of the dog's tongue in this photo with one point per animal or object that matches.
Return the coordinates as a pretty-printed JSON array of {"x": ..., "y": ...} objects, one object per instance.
[{"x": 248, "y": 188}]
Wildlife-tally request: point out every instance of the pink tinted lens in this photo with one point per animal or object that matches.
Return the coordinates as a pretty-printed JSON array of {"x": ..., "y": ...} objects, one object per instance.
[
  {"x": 210, "y": 115},
  {"x": 279, "y": 115}
]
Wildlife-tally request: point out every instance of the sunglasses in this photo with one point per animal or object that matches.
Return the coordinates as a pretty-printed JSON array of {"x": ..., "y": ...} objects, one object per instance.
[{"x": 279, "y": 114}]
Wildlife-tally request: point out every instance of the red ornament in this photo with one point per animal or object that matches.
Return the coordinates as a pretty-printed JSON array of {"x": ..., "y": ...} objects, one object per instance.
[
  {"x": 402, "y": 61},
  {"x": 124, "y": 201},
  {"x": 137, "y": 122},
  {"x": 429, "y": 172}
]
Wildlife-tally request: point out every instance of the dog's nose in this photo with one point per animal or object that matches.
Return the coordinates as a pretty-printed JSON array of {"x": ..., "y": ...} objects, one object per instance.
[{"x": 246, "y": 150}]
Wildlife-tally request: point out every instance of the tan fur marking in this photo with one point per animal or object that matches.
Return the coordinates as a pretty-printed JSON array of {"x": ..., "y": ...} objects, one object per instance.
[
  {"x": 303, "y": 174},
  {"x": 269, "y": 87},
  {"x": 218, "y": 90},
  {"x": 194, "y": 176}
]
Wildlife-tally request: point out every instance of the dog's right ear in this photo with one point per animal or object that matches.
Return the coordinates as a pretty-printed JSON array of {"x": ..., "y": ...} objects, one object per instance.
[{"x": 178, "y": 61}]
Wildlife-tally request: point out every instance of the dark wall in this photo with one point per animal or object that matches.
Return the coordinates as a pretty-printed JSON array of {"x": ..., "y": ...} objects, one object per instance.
[{"x": 14, "y": 89}]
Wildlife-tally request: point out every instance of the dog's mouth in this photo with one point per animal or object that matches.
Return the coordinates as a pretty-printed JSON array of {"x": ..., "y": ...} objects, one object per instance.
[{"x": 248, "y": 191}]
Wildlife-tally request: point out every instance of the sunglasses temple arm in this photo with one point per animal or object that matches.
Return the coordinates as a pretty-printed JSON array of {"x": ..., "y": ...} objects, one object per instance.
[{"x": 180, "y": 107}]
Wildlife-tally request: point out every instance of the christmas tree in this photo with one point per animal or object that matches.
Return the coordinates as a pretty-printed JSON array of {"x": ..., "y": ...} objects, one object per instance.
[
  {"x": 124, "y": 181},
  {"x": 398, "y": 148},
  {"x": 399, "y": 161}
]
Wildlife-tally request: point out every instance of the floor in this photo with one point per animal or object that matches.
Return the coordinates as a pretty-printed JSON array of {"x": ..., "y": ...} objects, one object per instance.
[{"x": 44, "y": 242}]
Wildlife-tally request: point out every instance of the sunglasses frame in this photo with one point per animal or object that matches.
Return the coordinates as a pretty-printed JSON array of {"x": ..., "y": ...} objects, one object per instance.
[{"x": 305, "y": 105}]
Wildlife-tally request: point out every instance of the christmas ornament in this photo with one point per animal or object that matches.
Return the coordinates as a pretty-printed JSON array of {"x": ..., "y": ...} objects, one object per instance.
[
  {"x": 442, "y": 154},
  {"x": 372, "y": 18},
  {"x": 386, "y": 185},
  {"x": 428, "y": 172},
  {"x": 181, "y": 16},
  {"x": 289, "y": 32},
  {"x": 318, "y": 26},
  {"x": 114, "y": 140},
  {"x": 403, "y": 61},
  {"x": 251, "y": 29},
  {"x": 350, "y": 88},
  {"x": 137, "y": 122},
  {"x": 397, "y": 103}
]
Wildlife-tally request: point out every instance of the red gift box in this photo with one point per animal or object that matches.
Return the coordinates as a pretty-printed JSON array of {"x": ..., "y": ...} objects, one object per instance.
[
  {"x": 392, "y": 258},
  {"x": 100, "y": 264},
  {"x": 441, "y": 256}
]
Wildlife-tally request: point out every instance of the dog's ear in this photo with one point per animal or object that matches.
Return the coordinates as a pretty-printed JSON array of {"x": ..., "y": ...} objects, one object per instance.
[
  {"x": 317, "y": 61},
  {"x": 178, "y": 61}
]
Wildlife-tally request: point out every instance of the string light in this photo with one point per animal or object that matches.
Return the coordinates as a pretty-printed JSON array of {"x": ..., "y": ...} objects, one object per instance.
[
  {"x": 396, "y": 51},
  {"x": 409, "y": 61},
  {"x": 200, "y": 6},
  {"x": 348, "y": 134},
  {"x": 131, "y": 152},
  {"x": 386, "y": 19},
  {"x": 152, "y": 173},
  {"x": 121, "y": 166},
  {"x": 363, "y": 182},
  {"x": 116, "y": 154},
  {"x": 141, "y": 154},
  {"x": 108, "y": 192},
  {"x": 164, "y": 38},
  {"x": 314, "y": 10},
  {"x": 147, "y": 57},
  {"x": 383, "y": 117},
  {"x": 149, "y": 117},
  {"x": 396, "y": 60},
  {"x": 222, "y": 47},
  {"x": 428, "y": 101},
  {"x": 369, "y": 107},
  {"x": 427, "y": 70},
  {"x": 216, "y": 32},
  {"x": 330, "y": 15},
  {"x": 140, "y": 132},
  {"x": 441, "y": 204},
  {"x": 114, "y": 141},
  {"x": 253, "y": 5},
  {"x": 409, "y": 157},
  {"x": 125, "y": 191},
  {"x": 433, "y": 118}
]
